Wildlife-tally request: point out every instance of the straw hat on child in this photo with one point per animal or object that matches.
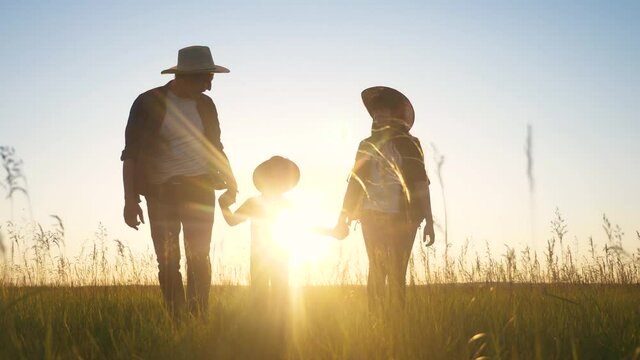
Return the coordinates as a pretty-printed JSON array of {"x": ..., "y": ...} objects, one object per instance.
[{"x": 277, "y": 174}]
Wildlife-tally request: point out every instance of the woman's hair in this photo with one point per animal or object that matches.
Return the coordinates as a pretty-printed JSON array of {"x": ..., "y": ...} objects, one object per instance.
[{"x": 394, "y": 104}]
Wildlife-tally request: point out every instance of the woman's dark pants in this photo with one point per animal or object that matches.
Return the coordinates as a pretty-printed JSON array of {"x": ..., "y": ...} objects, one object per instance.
[{"x": 389, "y": 239}]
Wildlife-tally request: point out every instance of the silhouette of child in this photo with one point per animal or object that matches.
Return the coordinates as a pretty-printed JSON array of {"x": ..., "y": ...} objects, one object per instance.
[{"x": 269, "y": 261}]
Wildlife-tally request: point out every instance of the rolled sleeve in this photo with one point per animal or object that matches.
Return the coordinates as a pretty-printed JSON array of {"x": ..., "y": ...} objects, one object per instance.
[
  {"x": 416, "y": 169},
  {"x": 133, "y": 132}
]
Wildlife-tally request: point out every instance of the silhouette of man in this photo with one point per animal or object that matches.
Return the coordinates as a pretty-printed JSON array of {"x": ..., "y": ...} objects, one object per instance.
[
  {"x": 174, "y": 158},
  {"x": 388, "y": 192}
]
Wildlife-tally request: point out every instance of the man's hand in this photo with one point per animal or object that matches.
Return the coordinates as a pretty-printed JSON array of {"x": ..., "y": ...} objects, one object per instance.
[
  {"x": 428, "y": 231},
  {"x": 228, "y": 198},
  {"x": 133, "y": 211}
]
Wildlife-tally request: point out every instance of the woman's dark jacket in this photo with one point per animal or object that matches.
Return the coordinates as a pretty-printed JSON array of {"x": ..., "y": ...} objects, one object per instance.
[{"x": 412, "y": 172}]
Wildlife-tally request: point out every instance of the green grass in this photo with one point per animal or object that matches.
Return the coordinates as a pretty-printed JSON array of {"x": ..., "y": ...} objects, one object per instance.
[
  {"x": 557, "y": 304},
  {"x": 519, "y": 321}
]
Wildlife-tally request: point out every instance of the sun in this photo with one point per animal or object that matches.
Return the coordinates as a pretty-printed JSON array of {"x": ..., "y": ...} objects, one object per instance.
[{"x": 294, "y": 232}]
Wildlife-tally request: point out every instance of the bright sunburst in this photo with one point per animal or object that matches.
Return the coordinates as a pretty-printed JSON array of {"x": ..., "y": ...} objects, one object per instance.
[{"x": 294, "y": 232}]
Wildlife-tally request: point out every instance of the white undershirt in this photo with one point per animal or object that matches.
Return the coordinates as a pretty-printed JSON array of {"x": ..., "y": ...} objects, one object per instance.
[{"x": 183, "y": 150}]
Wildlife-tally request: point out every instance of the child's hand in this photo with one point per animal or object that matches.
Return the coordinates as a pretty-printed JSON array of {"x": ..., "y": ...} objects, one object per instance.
[
  {"x": 338, "y": 232},
  {"x": 226, "y": 200}
]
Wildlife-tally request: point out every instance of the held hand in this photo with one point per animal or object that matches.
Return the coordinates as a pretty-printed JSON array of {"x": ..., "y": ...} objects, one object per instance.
[
  {"x": 327, "y": 231},
  {"x": 428, "y": 231},
  {"x": 340, "y": 231},
  {"x": 133, "y": 211},
  {"x": 227, "y": 199}
]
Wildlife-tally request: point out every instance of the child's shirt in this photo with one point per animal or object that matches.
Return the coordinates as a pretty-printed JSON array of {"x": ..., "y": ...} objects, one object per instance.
[{"x": 264, "y": 214}]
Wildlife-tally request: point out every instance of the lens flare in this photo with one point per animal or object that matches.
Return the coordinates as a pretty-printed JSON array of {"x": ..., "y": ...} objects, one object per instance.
[{"x": 292, "y": 231}]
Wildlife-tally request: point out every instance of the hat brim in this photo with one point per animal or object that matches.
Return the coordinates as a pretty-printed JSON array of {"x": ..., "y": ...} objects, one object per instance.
[
  {"x": 209, "y": 70},
  {"x": 278, "y": 174},
  {"x": 372, "y": 94}
]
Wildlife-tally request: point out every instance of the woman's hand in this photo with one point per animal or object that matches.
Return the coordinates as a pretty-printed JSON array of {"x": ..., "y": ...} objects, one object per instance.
[{"x": 340, "y": 231}]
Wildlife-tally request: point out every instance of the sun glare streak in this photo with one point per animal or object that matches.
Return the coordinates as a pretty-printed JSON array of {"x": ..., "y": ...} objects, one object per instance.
[
  {"x": 393, "y": 167},
  {"x": 214, "y": 156},
  {"x": 293, "y": 232},
  {"x": 309, "y": 253}
]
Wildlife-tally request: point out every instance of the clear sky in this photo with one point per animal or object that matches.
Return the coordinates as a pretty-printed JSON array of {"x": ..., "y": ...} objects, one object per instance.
[{"x": 477, "y": 73}]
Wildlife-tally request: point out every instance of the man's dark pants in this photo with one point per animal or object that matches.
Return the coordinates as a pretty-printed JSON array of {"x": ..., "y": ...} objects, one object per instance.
[
  {"x": 389, "y": 239},
  {"x": 186, "y": 202}
]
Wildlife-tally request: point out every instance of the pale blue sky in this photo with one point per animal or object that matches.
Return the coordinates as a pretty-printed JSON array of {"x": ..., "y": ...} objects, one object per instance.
[{"x": 476, "y": 71}]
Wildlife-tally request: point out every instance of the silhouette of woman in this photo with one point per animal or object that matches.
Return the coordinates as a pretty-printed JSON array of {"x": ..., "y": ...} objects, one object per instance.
[{"x": 388, "y": 191}]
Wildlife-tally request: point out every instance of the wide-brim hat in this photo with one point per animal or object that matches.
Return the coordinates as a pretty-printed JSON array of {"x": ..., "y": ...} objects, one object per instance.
[
  {"x": 402, "y": 108},
  {"x": 195, "y": 60},
  {"x": 277, "y": 174}
]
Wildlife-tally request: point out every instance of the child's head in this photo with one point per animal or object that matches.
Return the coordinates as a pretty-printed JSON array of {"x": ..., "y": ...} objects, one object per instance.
[{"x": 276, "y": 176}]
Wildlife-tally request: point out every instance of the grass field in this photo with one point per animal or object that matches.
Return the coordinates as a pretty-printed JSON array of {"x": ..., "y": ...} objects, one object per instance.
[
  {"x": 561, "y": 304},
  {"x": 500, "y": 321}
]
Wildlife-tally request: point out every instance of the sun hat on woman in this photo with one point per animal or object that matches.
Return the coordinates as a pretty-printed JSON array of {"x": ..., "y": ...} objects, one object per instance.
[{"x": 379, "y": 98}]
